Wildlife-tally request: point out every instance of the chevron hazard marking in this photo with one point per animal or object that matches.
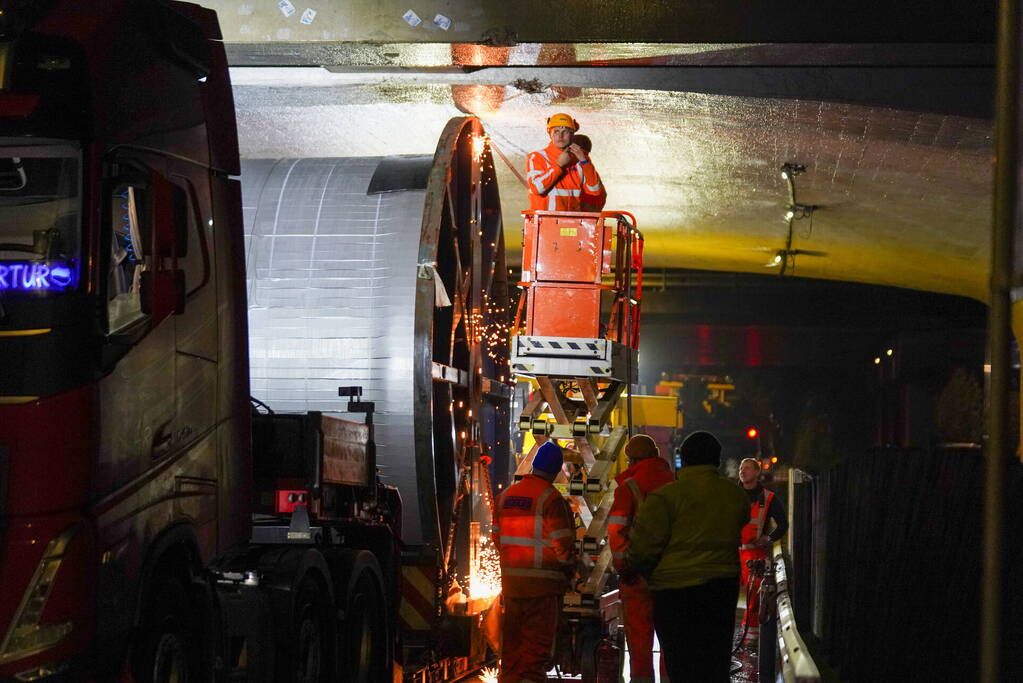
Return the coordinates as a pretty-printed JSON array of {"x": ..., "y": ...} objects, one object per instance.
[{"x": 417, "y": 598}]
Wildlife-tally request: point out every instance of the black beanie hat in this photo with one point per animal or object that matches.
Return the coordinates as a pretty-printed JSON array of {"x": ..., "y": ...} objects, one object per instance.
[{"x": 701, "y": 448}]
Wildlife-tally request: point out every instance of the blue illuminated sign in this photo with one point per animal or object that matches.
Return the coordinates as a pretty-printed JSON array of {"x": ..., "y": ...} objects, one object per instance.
[{"x": 36, "y": 277}]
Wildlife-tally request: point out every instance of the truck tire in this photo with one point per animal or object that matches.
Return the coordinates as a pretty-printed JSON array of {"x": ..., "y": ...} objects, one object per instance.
[
  {"x": 364, "y": 655},
  {"x": 168, "y": 651},
  {"x": 311, "y": 632}
]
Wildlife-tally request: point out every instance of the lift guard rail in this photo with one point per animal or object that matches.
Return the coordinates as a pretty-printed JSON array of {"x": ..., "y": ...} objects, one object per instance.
[
  {"x": 796, "y": 664},
  {"x": 565, "y": 256}
]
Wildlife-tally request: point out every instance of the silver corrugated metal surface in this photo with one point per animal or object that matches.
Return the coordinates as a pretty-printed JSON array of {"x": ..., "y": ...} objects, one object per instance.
[
  {"x": 338, "y": 296},
  {"x": 331, "y": 282},
  {"x": 331, "y": 285}
]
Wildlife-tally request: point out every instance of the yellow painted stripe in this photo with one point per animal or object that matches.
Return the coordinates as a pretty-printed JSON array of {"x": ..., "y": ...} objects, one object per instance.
[
  {"x": 417, "y": 578},
  {"x": 413, "y": 618},
  {"x": 4, "y": 49},
  {"x": 25, "y": 333},
  {"x": 9, "y": 400}
]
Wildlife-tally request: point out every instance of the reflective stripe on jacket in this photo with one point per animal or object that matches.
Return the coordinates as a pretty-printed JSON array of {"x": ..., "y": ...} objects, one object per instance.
[
  {"x": 552, "y": 188},
  {"x": 535, "y": 537},
  {"x": 634, "y": 484},
  {"x": 757, "y": 518}
]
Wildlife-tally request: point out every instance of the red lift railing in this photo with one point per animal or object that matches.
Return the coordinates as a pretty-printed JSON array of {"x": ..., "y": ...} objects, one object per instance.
[{"x": 567, "y": 257}]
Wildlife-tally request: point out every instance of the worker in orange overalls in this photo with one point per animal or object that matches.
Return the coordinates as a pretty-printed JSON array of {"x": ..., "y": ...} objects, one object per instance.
[
  {"x": 646, "y": 473},
  {"x": 536, "y": 541},
  {"x": 562, "y": 177},
  {"x": 755, "y": 539}
]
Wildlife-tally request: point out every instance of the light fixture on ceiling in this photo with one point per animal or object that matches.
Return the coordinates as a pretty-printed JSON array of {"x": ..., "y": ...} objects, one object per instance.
[
  {"x": 795, "y": 210},
  {"x": 789, "y": 170},
  {"x": 786, "y": 258}
]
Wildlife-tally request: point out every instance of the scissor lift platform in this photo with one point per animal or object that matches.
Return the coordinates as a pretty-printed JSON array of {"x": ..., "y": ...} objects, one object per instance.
[{"x": 577, "y": 338}]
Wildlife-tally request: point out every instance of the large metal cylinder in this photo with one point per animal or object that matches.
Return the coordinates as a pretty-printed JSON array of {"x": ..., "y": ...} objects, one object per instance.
[{"x": 345, "y": 258}]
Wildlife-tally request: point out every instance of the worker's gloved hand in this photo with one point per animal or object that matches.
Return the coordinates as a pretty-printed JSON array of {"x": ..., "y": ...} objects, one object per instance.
[
  {"x": 578, "y": 151},
  {"x": 763, "y": 542},
  {"x": 564, "y": 159}
]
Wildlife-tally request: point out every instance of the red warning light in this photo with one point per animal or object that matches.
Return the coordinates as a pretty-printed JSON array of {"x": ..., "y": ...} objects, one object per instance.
[{"x": 752, "y": 432}]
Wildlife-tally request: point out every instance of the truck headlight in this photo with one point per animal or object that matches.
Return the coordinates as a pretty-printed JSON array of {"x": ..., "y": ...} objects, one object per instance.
[{"x": 26, "y": 635}]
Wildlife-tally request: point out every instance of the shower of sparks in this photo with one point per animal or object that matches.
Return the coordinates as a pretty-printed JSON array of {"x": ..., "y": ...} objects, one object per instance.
[
  {"x": 488, "y": 675},
  {"x": 493, "y": 329},
  {"x": 479, "y": 145},
  {"x": 485, "y": 579},
  {"x": 475, "y": 325}
]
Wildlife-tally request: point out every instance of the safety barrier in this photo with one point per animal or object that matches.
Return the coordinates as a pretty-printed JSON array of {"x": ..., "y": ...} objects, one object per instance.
[
  {"x": 886, "y": 564},
  {"x": 796, "y": 665}
]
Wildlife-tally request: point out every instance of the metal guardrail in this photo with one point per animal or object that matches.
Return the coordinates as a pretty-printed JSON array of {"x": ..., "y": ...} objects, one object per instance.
[{"x": 796, "y": 665}]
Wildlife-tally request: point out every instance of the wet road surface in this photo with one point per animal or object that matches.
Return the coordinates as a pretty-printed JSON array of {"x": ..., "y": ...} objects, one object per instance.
[{"x": 744, "y": 660}]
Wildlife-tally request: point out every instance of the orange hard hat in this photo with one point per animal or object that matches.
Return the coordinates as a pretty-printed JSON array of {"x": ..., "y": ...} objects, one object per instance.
[{"x": 562, "y": 120}]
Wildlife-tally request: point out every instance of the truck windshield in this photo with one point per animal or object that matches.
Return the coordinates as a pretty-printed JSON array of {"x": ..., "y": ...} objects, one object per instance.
[{"x": 40, "y": 221}]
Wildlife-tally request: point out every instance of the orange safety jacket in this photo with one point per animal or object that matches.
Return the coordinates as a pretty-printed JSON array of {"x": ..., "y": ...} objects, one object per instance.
[
  {"x": 552, "y": 188},
  {"x": 634, "y": 484},
  {"x": 757, "y": 518},
  {"x": 535, "y": 533}
]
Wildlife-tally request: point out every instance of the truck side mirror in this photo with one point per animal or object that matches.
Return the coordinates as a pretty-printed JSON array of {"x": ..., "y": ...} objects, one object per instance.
[
  {"x": 162, "y": 293},
  {"x": 162, "y": 285}
]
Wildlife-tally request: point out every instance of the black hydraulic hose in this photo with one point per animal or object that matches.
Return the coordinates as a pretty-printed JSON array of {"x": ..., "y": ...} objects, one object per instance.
[
  {"x": 257, "y": 403},
  {"x": 750, "y": 588},
  {"x": 453, "y": 525}
]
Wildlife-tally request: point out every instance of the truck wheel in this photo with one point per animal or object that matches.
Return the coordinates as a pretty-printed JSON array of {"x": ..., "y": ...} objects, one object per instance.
[
  {"x": 311, "y": 632},
  {"x": 167, "y": 652},
  {"x": 365, "y": 658}
]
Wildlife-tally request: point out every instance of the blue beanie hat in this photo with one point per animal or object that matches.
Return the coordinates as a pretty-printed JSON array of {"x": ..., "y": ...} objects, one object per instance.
[{"x": 548, "y": 458}]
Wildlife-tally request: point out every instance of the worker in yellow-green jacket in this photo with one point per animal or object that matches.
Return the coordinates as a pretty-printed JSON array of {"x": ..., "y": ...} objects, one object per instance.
[{"x": 685, "y": 540}]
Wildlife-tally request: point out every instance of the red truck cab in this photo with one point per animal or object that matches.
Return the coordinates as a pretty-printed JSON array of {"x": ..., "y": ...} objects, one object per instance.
[{"x": 124, "y": 422}]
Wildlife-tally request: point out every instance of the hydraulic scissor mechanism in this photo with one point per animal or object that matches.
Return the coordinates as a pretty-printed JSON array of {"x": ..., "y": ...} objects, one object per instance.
[{"x": 580, "y": 409}]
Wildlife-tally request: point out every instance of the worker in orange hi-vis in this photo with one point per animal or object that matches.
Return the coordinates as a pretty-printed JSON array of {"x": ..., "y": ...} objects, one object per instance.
[
  {"x": 646, "y": 473},
  {"x": 536, "y": 541},
  {"x": 561, "y": 177},
  {"x": 756, "y": 541}
]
